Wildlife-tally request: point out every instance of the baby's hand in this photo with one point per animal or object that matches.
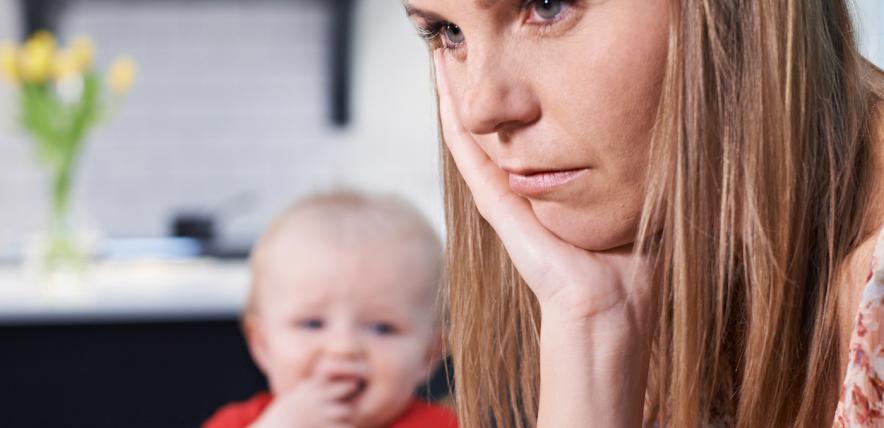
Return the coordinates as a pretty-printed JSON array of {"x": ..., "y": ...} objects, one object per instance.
[{"x": 313, "y": 403}]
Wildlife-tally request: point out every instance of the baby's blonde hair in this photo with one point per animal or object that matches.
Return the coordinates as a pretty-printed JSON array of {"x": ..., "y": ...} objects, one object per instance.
[{"x": 346, "y": 216}]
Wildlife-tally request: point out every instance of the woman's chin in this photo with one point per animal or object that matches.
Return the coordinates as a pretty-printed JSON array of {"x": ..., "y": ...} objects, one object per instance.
[{"x": 591, "y": 230}]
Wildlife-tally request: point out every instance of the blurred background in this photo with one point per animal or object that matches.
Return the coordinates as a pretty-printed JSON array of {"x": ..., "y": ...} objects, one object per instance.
[{"x": 238, "y": 108}]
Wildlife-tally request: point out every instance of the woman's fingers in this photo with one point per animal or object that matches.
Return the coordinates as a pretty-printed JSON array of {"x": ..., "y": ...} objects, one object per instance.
[
  {"x": 487, "y": 182},
  {"x": 529, "y": 243}
]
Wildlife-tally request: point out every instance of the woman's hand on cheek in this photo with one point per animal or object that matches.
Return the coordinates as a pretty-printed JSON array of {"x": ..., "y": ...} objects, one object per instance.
[
  {"x": 597, "y": 308},
  {"x": 568, "y": 281}
]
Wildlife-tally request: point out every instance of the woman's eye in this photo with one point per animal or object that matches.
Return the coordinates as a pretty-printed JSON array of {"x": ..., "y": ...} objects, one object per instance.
[
  {"x": 453, "y": 34},
  {"x": 311, "y": 323},
  {"x": 382, "y": 328},
  {"x": 547, "y": 10}
]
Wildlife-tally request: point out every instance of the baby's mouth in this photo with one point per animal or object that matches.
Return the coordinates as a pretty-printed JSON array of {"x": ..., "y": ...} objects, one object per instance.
[{"x": 353, "y": 397}]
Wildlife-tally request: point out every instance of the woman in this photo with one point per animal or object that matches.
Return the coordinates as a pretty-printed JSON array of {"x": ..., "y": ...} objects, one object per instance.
[{"x": 686, "y": 193}]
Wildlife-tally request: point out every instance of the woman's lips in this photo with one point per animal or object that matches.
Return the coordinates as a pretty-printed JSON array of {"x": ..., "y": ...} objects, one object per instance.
[{"x": 538, "y": 183}]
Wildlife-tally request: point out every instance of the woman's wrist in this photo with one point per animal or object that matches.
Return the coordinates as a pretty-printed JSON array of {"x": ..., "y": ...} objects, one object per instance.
[
  {"x": 594, "y": 369},
  {"x": 619, "y": 337},
  {"x": 631, "y": 316}
]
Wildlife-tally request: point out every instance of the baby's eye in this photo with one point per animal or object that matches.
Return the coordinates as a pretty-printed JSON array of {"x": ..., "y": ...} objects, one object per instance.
[
  {"x": 310, "y": 323},
  {"x": 382, "y": 328}
]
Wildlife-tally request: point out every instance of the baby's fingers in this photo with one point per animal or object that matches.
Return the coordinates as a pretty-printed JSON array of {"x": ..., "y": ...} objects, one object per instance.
[
  {"x": 337, "y": 390},
  {"x": 337, "y": 414}
]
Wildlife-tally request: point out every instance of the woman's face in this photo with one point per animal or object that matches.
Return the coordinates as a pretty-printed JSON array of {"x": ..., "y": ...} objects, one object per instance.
[{"x": 562, "y": 96}]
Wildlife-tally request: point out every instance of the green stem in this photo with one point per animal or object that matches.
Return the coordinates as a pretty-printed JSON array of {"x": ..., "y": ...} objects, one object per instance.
[{"x": 62, "y": 175}]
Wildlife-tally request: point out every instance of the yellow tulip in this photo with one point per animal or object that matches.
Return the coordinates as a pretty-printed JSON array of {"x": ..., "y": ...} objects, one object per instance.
[
  {"x": 122, "y": 75},
  {"x": 36, "y": 58},
  {"x": 82, "y": 51},
  {"x": 65, "y": 65},
  {"x": 43, "y": 37},
  {"x": 9, "y": 61}
]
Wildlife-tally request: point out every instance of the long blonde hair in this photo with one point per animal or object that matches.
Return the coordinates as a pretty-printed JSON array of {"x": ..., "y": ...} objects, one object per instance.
[{"x": 757, "y": 193}]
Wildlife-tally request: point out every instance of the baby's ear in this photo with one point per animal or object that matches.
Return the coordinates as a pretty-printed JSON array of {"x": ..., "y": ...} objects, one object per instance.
[
  {"x": 435, "y": 354},
  {"x": 256, "y": 341}
]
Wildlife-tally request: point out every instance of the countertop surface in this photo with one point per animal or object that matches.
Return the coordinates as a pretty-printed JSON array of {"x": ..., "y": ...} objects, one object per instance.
[{"x": 129, "y": 291}]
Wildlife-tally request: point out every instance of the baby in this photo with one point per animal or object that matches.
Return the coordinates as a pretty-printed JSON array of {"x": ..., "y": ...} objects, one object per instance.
[{"x": 342, "y": 317}]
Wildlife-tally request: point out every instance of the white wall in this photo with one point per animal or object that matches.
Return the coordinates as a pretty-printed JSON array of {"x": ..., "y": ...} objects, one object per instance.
[
  {"x": 870, "y": 19},
  {"x": 393, "y": 142},
  {"x": 257, "y": 126},
  {"x": 231, "y": 108}
]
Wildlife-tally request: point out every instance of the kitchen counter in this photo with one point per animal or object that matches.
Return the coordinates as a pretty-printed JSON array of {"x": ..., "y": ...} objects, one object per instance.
[
  {"x": 140, "y": 344},
  {"x": 137, "y": 344},
  {"x": 128, "y": 291}
]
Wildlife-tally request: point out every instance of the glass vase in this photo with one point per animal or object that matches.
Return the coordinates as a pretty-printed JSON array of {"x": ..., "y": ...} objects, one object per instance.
[{"x": 60, "y": 255}]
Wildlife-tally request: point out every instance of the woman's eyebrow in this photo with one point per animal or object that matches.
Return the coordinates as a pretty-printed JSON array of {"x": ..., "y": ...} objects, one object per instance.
[{"x": 410, "y": 10}]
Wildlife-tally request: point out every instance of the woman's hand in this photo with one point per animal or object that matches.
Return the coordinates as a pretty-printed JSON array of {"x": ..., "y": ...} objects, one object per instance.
[
  {"x": 598, "y": 309},
  {"x": 577, "y": 283}
]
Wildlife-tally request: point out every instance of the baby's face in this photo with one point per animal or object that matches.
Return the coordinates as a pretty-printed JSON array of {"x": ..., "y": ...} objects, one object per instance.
[{"x": 364, "y": 313}]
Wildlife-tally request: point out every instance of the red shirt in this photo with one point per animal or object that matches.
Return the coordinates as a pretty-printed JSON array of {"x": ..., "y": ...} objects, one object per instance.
[{"x": 242, "y": 414}]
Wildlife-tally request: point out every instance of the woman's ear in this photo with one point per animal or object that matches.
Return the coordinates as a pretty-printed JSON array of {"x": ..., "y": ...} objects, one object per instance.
[{"x": 256, "y": 341}]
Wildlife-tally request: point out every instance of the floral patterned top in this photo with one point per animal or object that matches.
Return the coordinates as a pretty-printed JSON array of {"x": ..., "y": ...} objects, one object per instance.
[{"x": 862, "y": 395}]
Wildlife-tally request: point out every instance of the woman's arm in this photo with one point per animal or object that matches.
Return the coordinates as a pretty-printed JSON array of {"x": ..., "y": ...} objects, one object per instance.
[
  {"x": 598, "y": 309},
  {"x": 593, "y": 371}
]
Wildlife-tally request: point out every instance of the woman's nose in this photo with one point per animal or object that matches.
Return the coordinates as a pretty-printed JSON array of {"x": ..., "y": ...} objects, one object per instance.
[{"x": 496, "y": 98}]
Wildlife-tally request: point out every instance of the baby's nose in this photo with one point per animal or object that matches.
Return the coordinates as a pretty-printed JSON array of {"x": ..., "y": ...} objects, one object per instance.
[{"x": 344, "y": 343}]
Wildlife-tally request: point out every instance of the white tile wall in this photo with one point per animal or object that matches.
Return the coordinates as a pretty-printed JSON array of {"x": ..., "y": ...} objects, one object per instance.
[
  {"x": 230, "y": 107},
  {"x": 870, "y": 17},
  {"x": 230, "y": 110}
]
